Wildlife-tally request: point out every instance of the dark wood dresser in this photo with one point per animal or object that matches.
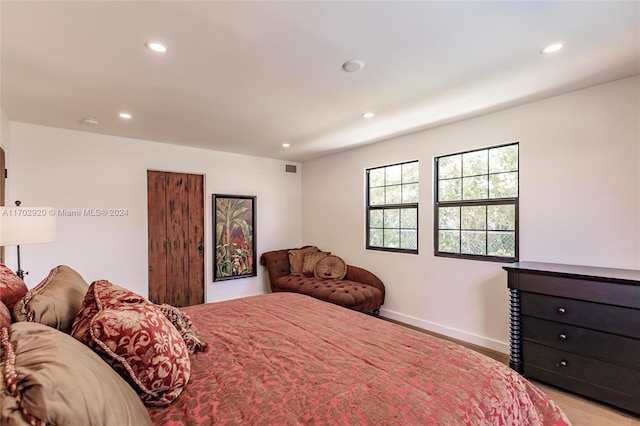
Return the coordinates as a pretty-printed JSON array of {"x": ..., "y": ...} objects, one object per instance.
[{"x": 578, "y": 328}]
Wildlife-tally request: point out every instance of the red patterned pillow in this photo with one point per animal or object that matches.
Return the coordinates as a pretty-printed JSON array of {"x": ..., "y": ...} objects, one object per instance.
[
  {"x": 140, "y": 343},
  {"x": 5, "y": 316},
  {"x": 101, "y": 295},
  {"x": 182, "y": 323},
  {"x": 12, "y": 288},
  {"x": 136, "y": 339}
]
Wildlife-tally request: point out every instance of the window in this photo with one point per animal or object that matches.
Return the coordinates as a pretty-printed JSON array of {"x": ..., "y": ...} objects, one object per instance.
[
  {"x": 476, "y": 204},
  {"x": 392, "y": 208}
]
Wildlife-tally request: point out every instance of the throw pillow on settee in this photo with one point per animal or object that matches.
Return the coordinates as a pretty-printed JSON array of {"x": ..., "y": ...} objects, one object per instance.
[{"x": 330, "y": 267}]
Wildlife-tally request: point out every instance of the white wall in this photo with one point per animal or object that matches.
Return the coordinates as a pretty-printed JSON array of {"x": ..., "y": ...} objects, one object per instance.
[
  {"x": 579, "y": 204},
  {"x": 78, "y": 170},
  {"x": 4, "y": 130}
]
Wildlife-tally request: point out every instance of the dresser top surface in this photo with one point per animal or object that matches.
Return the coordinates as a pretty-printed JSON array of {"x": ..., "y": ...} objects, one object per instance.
[{"x": 628, "y": 276}]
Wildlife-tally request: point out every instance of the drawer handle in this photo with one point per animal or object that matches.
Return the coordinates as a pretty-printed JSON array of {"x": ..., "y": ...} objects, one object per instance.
[
  {"x": 563, "y": 363},
  {"x": 562, "y": 311},
  {"x": 562, "y": 336}
]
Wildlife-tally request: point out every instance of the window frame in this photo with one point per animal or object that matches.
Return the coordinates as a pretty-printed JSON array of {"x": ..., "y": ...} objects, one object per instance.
[
  {"x": 515, "y": 201},
  {"x": 396, "y": 206}
]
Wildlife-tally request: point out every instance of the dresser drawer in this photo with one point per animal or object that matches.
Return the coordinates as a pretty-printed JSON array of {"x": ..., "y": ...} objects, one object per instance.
[
  {"x": 582, "y": 288},
  {"x": 623, "y": 380},
  {"x": 596, "y": 316},
  {"x": 594, "y": 344}
]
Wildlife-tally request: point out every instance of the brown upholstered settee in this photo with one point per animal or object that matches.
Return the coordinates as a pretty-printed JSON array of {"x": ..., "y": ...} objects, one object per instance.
[{"x": 359, "y": 290}]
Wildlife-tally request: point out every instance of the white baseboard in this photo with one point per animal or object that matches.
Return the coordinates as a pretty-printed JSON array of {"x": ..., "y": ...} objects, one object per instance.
[{"x": 492, "y": 344}]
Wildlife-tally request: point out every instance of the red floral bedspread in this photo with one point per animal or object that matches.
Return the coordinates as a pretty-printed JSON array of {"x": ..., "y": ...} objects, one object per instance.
[{"x": 284, "y": 358}]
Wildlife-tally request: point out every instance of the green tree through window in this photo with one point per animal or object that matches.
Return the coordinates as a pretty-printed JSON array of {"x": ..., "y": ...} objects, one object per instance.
[
  {"x": 476, "y": 204},
  {"x": 392, "y": 207}
]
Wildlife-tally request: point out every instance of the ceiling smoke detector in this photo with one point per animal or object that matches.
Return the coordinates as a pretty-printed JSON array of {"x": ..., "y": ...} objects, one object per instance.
[
  {"x": 352, "y": 66},
  {"x": 90, "y": 121}
]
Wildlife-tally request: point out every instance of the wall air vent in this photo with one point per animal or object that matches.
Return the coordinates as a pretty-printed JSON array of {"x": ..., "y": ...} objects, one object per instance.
[{"x": 290, "y": 168}]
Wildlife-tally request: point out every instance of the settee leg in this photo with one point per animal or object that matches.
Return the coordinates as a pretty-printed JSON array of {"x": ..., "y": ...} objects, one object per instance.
[{"x": 375, "y": 312}]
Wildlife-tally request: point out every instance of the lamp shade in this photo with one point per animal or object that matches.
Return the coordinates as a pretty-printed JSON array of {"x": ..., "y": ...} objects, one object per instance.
[{"x": 27, "y": 225}]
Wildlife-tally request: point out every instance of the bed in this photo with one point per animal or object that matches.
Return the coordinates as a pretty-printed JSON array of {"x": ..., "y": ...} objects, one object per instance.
[
  {"x": 74, "y": 354},
  {"x": 285, "y": 358}
]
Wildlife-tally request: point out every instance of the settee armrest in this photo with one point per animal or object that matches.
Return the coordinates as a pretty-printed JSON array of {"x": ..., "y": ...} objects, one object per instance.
[
  {"x": 363, "y": 276},
  {"x": 277, "y": 263}
]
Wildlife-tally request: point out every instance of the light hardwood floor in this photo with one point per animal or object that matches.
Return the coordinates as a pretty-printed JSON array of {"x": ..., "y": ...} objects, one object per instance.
[
  {"x": 586, "y": 412},
  {"x": 581, "y": 411}
]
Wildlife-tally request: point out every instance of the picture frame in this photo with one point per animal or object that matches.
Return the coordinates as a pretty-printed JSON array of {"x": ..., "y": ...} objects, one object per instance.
[{"x": 234, "y": 229}]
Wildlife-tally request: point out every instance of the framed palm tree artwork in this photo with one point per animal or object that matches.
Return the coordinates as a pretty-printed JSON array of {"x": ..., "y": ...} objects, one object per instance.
[{"x": 234, "y": 234}]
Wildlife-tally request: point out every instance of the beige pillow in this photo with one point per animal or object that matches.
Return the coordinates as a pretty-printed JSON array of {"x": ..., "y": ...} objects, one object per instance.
[
  {"x": 55, "y": 301},
  {"x": 296, "y": 259},
  {"x": 310, "y": 260},
  {"x": 49, "y": 377},
  {"x": 330, "y": 267}
]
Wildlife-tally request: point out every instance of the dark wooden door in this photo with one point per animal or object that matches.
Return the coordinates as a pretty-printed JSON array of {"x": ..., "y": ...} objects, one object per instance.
[{"x": 176, "y": 238}]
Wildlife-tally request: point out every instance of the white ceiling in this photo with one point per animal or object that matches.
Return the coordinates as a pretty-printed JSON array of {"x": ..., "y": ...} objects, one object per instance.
[{"x": 247, "y": 77}]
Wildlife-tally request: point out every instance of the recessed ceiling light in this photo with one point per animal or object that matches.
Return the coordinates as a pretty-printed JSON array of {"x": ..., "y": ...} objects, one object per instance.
[
  {"x": 125, "y": 115},
  {"x": 90, "y": 121},
  {"x": 552, "y": 48},
  {"x": 285, "y": 145},
  {"x": 156, "y": 47},
  {"x": 368, "y": 115},
  {"x": 352, "y": 66}
]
